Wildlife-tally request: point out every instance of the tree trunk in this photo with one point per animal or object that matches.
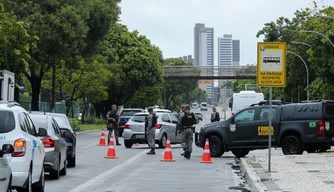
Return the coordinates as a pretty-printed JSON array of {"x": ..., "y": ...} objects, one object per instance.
[
  {"x": 35, "y": 88},
  {"x": 17, "y": 94},
  {"x": 68, "y": 107}
]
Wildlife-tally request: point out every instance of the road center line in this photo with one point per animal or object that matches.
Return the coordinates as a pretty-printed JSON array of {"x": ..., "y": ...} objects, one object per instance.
[
  {"x": 104, "y": 175},
  {"x": 87, "y": 146}
]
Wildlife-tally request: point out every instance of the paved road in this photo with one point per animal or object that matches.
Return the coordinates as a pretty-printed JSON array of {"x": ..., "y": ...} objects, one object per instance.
[{"x": 136, "y": 171}]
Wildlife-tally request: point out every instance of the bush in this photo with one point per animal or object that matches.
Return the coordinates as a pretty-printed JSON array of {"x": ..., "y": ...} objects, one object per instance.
[
  {"x": 95, "y": 120},
  {"x": 74, "y": 122}
]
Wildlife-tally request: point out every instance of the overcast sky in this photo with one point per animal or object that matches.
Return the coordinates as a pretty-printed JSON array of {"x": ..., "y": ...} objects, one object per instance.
[{"x": 169, "y": 24}]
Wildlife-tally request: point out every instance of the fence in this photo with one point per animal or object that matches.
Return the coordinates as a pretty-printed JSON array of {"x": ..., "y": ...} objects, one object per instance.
[{"x": 45, "y": 107}]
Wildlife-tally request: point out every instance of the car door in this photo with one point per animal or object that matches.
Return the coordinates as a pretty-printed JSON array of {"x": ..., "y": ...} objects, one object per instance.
[
  {"x": 263, "y": 125},
  {"x": 4, "y": 179},
  {"x": 245, "y": 131},
  {"x": 174, "y": 121},
  {"x": 167, "y": 126},
  {"x": 61, "y": 140}
]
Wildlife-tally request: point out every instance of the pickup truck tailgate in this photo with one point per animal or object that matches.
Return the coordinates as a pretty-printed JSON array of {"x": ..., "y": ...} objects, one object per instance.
[{"x": 328, "y": 113}]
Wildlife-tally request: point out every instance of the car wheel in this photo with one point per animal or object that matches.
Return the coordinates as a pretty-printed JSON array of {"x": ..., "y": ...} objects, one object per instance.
[
  {"x": 71, "y": 161},
  {"x": 128, "y": 144},
  {"x": 64, "y": 170},
  {"x": 216, "y": 146},
  {"x": 40, "y": 185},
  {"x": 9, "y": 188},
  {"x": 240, "y": 152},
  {"x": 55, "y": 174},
  {"x": 163, "y": 141},
  {"x": 27, "y": 188},
  {"x": 291, "y": 145}
]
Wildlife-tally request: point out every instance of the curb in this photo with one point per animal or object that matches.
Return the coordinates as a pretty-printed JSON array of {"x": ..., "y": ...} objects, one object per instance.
[{"x": 251, "y": 177}]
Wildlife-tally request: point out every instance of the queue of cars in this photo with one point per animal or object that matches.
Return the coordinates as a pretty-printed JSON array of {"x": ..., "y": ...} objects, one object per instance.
[{"x": 32, "y": 145}]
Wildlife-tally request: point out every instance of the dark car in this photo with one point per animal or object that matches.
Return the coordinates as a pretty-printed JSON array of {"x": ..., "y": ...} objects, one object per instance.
[
  {"x": 296, "y": 128},
  {"x": 199, "y": 116},
  {"x": 126, "y": 114},
  {"x": 71, "y": 141}
]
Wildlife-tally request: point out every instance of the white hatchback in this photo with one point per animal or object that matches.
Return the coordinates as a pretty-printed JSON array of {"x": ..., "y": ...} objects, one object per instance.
[{"x": 26, "y": 162}]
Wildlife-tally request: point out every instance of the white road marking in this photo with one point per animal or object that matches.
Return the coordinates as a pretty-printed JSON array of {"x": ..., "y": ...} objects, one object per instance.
[
  {"x": 105, "y": 175},
  {"x": 87, "y": 146}
]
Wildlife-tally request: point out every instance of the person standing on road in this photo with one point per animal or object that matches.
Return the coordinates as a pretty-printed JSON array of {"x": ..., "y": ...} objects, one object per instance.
[
  {"x": 150, "y": 123},
  {"x": 178, "y": 125},
  {"x": 113, "y": 121},
  {"x": 215, "y": 115},
  {"x": 187, "y": 126}
]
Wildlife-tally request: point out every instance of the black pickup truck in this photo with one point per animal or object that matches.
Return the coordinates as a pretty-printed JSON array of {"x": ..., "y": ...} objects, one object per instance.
[{"x": 296, "y": 128}]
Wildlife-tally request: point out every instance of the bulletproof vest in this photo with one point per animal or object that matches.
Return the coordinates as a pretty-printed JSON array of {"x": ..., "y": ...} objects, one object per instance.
[
  {"x": 188, "y": 119},
  {"x": 113, "y": 114}
]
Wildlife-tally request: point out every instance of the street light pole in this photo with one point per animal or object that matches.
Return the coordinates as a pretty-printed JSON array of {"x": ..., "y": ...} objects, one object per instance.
[
  {"x": 316, "y": 32},
  {"x": 301, "y": 43},
  {"x": 307, "y": 75}
]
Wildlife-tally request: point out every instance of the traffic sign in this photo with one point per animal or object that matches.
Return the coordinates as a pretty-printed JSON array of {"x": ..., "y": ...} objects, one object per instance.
[{"x": 271, "y": 64}]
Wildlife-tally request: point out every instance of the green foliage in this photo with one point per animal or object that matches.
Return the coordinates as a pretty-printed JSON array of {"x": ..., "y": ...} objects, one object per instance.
[
  {"x": 148, "y": 96},
  {"x": 95, "y": 120},
  {"x": 74, "y": 122},
  {"x": 24, "y": 96}
]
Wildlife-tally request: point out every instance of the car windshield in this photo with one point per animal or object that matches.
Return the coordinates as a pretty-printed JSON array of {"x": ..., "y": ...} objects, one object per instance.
[
  {"x": 62, "y": 122},
  {"x": 39, "y": 121},
  {"x": 130, "y": 113},
  {"x": 7, "y": 121},
  {"x": 138, "y": 118}
]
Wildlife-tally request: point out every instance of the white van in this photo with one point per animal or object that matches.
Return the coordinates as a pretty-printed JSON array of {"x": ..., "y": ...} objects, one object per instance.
[
  {"x": 204, "y": 106},
  {"x": 245, "y": 99}
]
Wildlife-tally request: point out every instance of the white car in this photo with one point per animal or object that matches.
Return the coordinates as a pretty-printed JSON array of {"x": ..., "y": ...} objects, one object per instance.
[
  {"x": 26, "y": 162},
  {"x": 5, "y": 171}
]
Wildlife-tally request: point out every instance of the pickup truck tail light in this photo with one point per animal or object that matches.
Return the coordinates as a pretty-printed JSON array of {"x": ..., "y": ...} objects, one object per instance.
[
  {"x": 157, "y": 126},
  {"x": 126, "y": 126},
  {"x": 321, "y": 128},
  {"x": 19, "y": 148},
  {"x": 48, "y": 142}
]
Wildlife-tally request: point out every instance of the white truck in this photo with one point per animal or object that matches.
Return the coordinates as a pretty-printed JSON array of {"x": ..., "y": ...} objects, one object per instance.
[
  {"x": 7, "y": 85},
  {"x": 244, "y": 99}
]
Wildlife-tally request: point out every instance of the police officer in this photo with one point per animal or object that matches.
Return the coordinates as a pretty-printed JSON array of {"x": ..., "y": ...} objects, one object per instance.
[
  {"x": 215, "y": 115},
  {"x": 150, "y": 130},
  {"x": 113, "y": 121},
  {"x": 187, "y": 126},
  {"x": 178, "y": 128}
]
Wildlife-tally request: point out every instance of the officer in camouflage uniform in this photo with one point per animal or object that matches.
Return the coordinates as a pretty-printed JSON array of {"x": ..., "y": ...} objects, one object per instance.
[
  {"x": 113, "y": 121},
  {"x": 150, "y": 131},
  {"x": 178, "y": 128},
  {"x": 187, "y": 126}
]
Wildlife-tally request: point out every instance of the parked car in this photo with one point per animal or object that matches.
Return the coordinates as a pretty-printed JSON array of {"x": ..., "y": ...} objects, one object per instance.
[
  {"x": 134, "y": 130},
  {"x": 199, "y": 116},
  {"x": 26, "y": 162},
  {"x": 5, "y": 170},
  {"x": 125, "y": 115},
  {"x": 296, "y": 128},
  {"x": 54, "y": 144},
  {"x": 71, "y": 139}
]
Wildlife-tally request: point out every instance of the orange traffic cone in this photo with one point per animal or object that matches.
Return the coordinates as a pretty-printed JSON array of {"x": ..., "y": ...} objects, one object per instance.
[
  {"x": 168, "y": 156},
  {"x": 102, "y": 139},
  {"x": 206, "y": 158},
  {"x": 111, "y": 153}
]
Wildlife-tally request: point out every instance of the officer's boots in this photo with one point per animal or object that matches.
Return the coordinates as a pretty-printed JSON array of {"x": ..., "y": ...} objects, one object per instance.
[
  {"x": 187, "y": 155},
  {"x": 117, "y": 143},
  {"x": 152, "y": 152}
]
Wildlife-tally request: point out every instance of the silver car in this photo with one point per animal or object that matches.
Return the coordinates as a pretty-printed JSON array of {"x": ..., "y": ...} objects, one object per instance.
[
  {"x": 54, "y": 145},
  {"x": 5, "y": 170},
  {"x": 134, "y": 130}
]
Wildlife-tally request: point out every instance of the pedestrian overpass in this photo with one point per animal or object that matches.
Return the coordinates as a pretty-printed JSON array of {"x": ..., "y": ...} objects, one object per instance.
[{"x": 209, "y": 72}]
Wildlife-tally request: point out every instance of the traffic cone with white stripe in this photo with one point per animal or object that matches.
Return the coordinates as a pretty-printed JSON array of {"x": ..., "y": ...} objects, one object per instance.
[
  {"x": 168, "y": 156},
  {"x": 111, "y": 153},
  {"x": 206, "y": 158},
  {"x": 102, "y": 139}
]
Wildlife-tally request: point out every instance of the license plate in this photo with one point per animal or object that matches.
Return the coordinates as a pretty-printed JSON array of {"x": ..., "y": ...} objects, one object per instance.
[{"x": 140, "y": 136}]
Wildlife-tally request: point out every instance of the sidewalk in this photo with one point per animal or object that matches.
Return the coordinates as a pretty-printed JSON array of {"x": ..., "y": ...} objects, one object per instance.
[{"x": 296, "y": 173}]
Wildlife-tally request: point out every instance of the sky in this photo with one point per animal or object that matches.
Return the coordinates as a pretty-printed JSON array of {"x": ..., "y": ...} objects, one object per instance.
[{"x": 169, "y": 24}]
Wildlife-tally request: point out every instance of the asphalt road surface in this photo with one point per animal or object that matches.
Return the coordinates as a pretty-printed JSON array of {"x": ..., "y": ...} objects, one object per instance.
[{"x": 135, "y": 171}]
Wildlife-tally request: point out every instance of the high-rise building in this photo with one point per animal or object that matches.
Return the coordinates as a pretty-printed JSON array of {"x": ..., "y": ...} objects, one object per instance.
[
  {"x": 204, "y": 52},
  {"x": 188, "y": 58},
  {"x": 225, "y": 50},
  {"x": 236, "y": 52}
]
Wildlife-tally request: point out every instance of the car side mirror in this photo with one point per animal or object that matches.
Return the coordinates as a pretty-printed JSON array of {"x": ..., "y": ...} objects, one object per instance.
[
  {"x": 232, "y": 121},
  {"x": 67, "y": 134},
  {"x": 42, "y": 132},
  {"x": 76, "y": 128},
  {"x": 6, "y": 149}
]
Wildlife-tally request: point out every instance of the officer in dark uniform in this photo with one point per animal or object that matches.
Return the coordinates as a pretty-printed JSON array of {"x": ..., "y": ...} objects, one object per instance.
[
  {"x": 113, "y": 123},
  {"x": 215, "y": 115},
  {"x": 188, "y": 129}
]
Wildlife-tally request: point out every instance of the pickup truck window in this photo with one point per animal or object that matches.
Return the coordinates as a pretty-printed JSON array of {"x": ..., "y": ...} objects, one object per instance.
[
  {"x": 264, "y": 113},
  {"x": 247, "y": 115}
]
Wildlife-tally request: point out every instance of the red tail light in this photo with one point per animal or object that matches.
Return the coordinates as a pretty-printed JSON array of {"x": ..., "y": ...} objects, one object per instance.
[
  {"x": 48, "y": 142},
  {"x": 321, "y": 128},
  {"x": 126, "y": 126},
  {"x": 157, "y": 126},
  {"x": 19, "y": 148},
  {"x": 122, "y": 117}
]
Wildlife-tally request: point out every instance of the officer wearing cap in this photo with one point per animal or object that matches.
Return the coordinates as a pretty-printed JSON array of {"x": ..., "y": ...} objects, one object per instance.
[
  {"x": 178, "y": 128},
  {"x": 186, "y": 123},
  {"x": 150, "y": 122}
]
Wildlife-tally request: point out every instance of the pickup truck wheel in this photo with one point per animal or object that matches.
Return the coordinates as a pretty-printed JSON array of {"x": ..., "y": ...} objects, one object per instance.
[
  {"x": 291, "y": 145},
  {"x": 240, "y": 152},
  {"x": 128, "y": 144},
  {"x": 216, "y": 146}
]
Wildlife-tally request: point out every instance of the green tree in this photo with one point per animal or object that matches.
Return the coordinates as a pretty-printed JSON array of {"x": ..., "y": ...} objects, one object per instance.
[
  {"x": 66, "y": 29},
  {"x": 135, "y": 64},
  {"x": 148, "y": 96}
]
